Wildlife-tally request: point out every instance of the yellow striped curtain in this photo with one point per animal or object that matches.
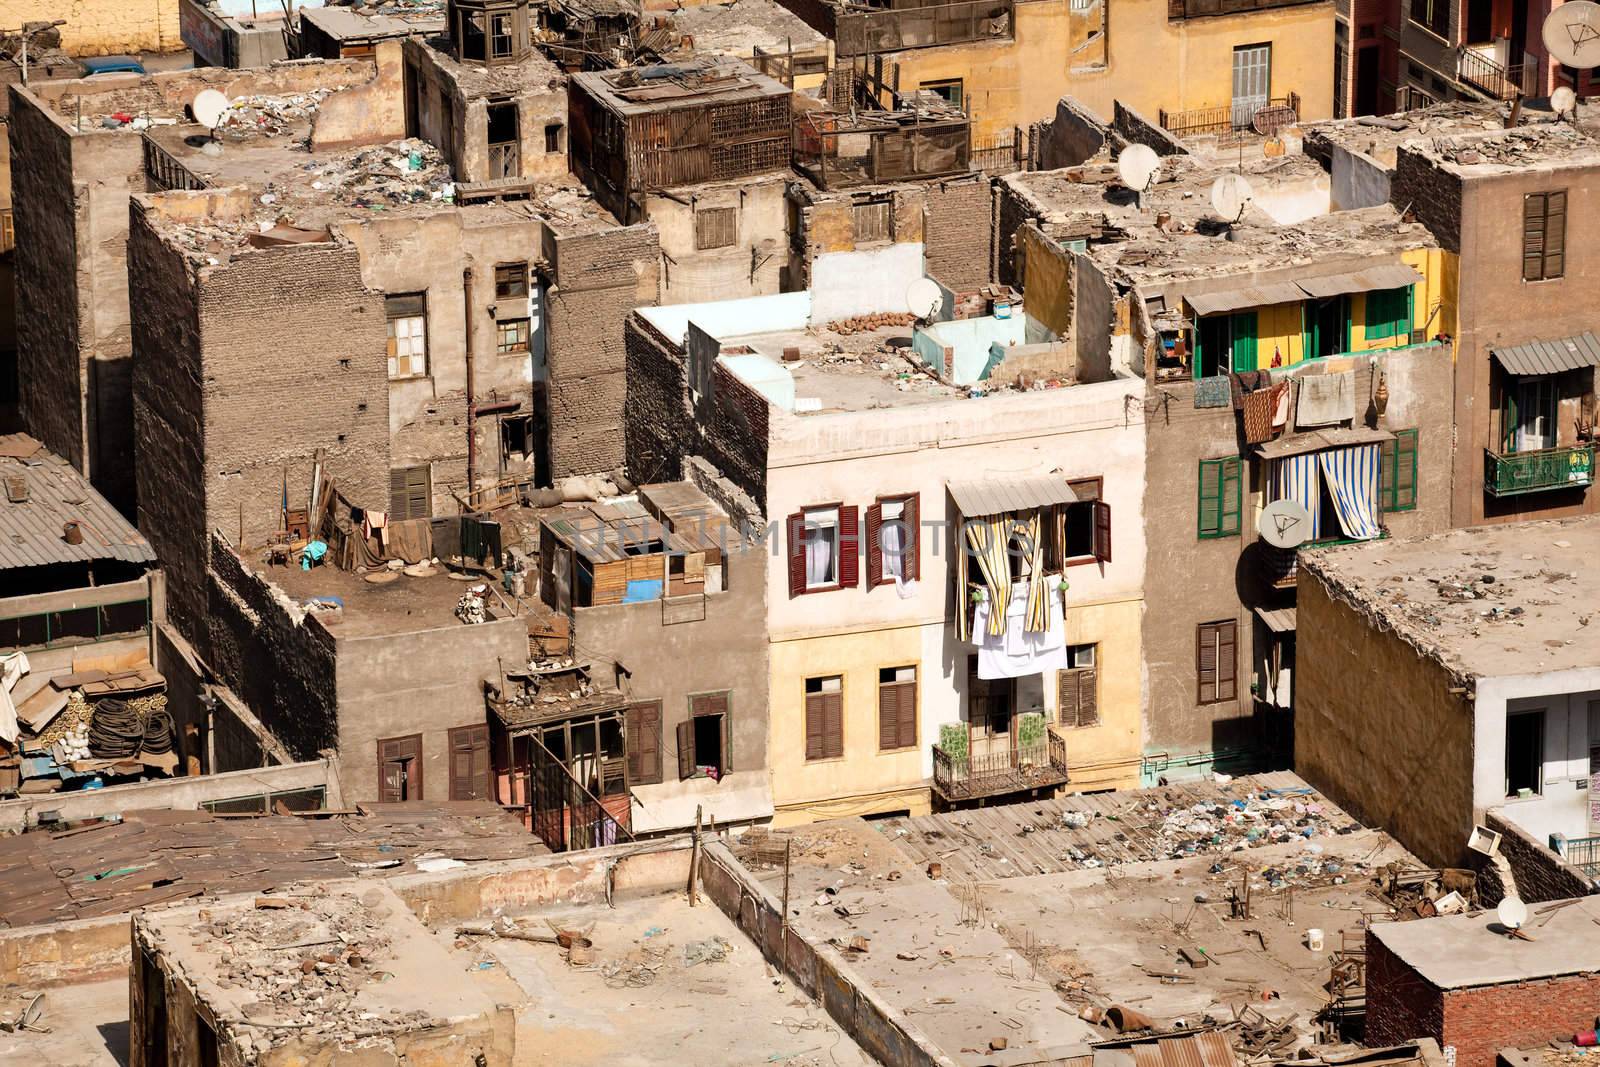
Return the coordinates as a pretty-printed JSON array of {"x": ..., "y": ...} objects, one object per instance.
[
  {"x": 988, "y": 541},
  {"x": 1038, "y": 620}
]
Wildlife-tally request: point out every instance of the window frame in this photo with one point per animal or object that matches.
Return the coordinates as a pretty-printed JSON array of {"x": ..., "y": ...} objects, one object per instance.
[
  {"x": 811, "y": 526},
  {"x": 942, "y": 87},
  {"x": 634, "y": 725},
  {"x": 822, "y": 692},
  {"x": 708, "y": 220},
  {"x": 511, "y": 280},
  {"x": 519, "y": 345},
  {"x": 897, "y": 685},
  {"x": 1088, "y": 506},
  {"x": 1542, "y": 272},
  {"x": 1542, "y": 716},
  {"x": 911, "y": 562},
  {"x": 1397, "y": 320},
  {"x": 1431, "y": 8},
  {"x": 1216, "y": 628},
  {"x": 1392, "y": 496},
  {"x": 872, "y": 233},
  {"x": 471, "y": 732},
  {"x": 1077, "y": 671},
  {"x": 390, "y": 300},
  {"x": 400, "y": 514},
  {"x": 1221, "y": 464}
]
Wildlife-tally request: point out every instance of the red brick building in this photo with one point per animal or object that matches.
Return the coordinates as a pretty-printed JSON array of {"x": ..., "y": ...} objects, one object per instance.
[{"x": 1461, "y": 981}]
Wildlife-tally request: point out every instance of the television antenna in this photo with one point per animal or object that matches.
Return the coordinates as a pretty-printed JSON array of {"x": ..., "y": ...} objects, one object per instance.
[
  {"x": 923, "y": 298},
  {"x": 1571, "y": 34},
  {"x": 1137, "y": 167},
  {"x": 1230, "y": 197},
  {"x": 1284, "y": 524}
]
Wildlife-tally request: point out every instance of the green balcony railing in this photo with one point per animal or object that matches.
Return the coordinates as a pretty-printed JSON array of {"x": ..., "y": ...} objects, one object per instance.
[{"x": 1514, "y": 473}]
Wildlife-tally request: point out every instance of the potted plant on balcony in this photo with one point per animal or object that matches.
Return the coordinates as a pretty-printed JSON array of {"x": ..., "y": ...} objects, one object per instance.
[
  {"x": 1030, "y": 737},
  {"x": 953, "y": 740}
]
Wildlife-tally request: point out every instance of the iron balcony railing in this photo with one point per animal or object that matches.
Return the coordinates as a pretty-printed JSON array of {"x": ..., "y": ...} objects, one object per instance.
[
  {"x": 1584, "y": 854},
  {"x": 1515, "y": 473},
  {"x": 1034, "y": 766},
  {"x": 1225, "y": 119},
  {"x": 1502, "y": 83}
]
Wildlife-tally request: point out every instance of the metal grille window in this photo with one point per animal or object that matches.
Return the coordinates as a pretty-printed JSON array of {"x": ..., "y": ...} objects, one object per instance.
[
  {"x": 871, "y": 221},
  {"x": 510, "y": 281},
  {"x": 1398, "y": 489},
  {"x": 716, "y": 227},
  {"x": 408, "y": 334},
  {"x": 1221, "y": 495},
  {"x": 1216, "y": 661},
  {"x": 1389, "y": 314},
  {"x": 1544, "y": 235},
  {"x": 511, "y": 336}
]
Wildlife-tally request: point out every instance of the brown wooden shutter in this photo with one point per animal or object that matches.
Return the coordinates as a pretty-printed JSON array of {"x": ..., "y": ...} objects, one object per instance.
[
  {"x": 1067, "y": 697},
  {"x": 912, "y": 516},
  {"x": 1227, "y": 660},
  {"x": 888, "y": 716},
  {"x": 1088, "y": 703},
  {"x": 1555, "y": 234},
  {"x": 1533, "y": 212},
  {"x": 908, "y": 713},
  {"x": 874, "y": 546},
  {"x": 797, "y": 553},
  {"x": 1102, "y": 531},
  {"x": 816, "y": 719},
  {"x": 833, "y": 725},
  {"x": 849, "y": 547},
  {"x": 643, "y": 726},
  {"x": 686, "y": 749},
  {"x": 469, "y": 763},
  {"x": 1205, "y": 664}
]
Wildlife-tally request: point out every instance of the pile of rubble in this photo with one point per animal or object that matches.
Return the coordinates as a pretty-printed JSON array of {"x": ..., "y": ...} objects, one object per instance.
[
  {"x": 868, "y": 323},
  {"x": 1515, "y": 146},
  {"x": 303, "y": 959},
  {"x": 401, "y": 172},
  {"x": 270, "y": 116},
  {"x": 1268, "y": 817}
]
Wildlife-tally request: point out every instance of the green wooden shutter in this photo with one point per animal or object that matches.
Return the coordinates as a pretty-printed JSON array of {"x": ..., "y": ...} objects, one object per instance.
[
  {"x": 1220, "y": 497},
  {"x": 1398, "y": 490},
  {"x": 1386, "y": 313},
  {"x": 1244, "y": 341}
]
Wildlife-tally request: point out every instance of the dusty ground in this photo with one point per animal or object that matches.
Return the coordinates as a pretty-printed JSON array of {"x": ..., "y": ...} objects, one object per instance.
[
  {"x": 403, "y": 605},
  {"x": 641, "y": 1001},
  {"x": 88, "y": 1027}
]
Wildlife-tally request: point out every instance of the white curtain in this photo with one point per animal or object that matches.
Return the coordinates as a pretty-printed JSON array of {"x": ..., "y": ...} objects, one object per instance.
[
  {"x": 892, "y": 541},
  {"x": 819, "y": 555}
]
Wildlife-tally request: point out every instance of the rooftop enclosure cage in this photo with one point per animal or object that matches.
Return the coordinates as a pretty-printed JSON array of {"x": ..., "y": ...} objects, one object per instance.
[
  {"x": 491, "y": 32},
  {"x": 836, "y": 150},
  {"x": 863, "y": 29},
  {"x": 659, "y": 127}
]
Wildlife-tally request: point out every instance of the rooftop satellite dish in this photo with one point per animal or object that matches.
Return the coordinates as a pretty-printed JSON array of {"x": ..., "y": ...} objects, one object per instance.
[
  {"x": 1137, "y": 166},
  {"x": 923, "y": 298},
  {"x": 1230, "y": 196},
  {"x": 1571, "y": 34},
  {"x": 1563, "y": 100},
  {"x": 208, "y": 106},
  {"x": 1512, "y": 913},
  {"x": 1284, "y": 524}
]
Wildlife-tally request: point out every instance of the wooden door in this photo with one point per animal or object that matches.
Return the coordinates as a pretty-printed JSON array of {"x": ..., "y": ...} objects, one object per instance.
[
  {"x": 990, "y": 705},
  {"x": 469, "y": 762},
  {"x": 400, "y": 769}
]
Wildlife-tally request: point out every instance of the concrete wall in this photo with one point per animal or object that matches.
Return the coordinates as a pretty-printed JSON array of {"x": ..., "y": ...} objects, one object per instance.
[
  {"x": 1565, "y": 698},
  {"x": 1075, "y": 135},
  {"x": 384, "y": 681},
  {"x": 65, "y": 953},
  {"x": 751, "y": 266},
  {"x": 1399, "y": 754},
  {"x": 371, "y": 113},
  {"x": 105, "y": 27}
]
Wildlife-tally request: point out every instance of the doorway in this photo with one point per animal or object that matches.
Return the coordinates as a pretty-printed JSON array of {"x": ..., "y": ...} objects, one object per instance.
[
  {"x": 400, "y": 769},
  {"x": 1330, "y": 327},
  {"x": 1367, "y": 81},
  {"x": 991, "y": 711},
  {"x": 505, "y": 147},
  {"x": 1252, "y": 82}
]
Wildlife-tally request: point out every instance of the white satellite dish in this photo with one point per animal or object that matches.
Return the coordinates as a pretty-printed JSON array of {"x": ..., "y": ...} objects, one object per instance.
[
  {"x": 1230, "y": 196},
  {"x": 1563, "y": 100},
  {"x": 1137, "y": 166},
  {"x": 208, "y": 106},
  {"x": 923, "y": 298},
  {"x": 1512, "y": 913},
  {"x": 1284, "y": 524},
  {"x": 1571, "y": 34}
]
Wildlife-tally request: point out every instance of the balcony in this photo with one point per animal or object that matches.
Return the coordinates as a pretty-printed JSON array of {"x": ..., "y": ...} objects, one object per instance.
[
  {"x": 1041, "y": 765},
  {"x": 1478, "y": 67},
  {"x": 859, "y": 31},
  {"x": 1584, "y": 854},
  {"x": 1516, "y": 473},
  {"x": 1236, "y": 120}
]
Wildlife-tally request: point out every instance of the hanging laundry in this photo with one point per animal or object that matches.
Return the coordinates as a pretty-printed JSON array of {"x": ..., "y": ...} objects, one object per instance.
[
  {"x": 1280, "y": 405},
  {"x": 1246, "y": 382},
  {"x": 1016, "y": 652},
  {"x": 1214, "y": 392},
  {"x": 1258, "y": 415},
  {"x": 1326, "y": 399}
]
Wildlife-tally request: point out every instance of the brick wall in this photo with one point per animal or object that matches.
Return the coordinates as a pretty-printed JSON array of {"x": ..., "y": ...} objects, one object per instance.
[
  {"x": 1015, "y": 212},
  {"x": 1401, "y": 1004},
  {"x": 958, "y": 233},
  {"x": 1432, "y": 193},
  {"x": 735, "y": 434},
  {"x": 1139, "y": 130},
  {"x": 167, "y": 421},
  {"x": 599, "y": 278},
  {"x": 1539, "y": 873},
  {"x": 280, "y": 661}
]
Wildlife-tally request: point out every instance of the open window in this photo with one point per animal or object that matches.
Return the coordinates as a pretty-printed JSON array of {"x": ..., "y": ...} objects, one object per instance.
[
  {"x": 822, "y": 547},
  {"x": 893, "y": 540},
  {"x": 505, "y": 142},
  {"x": 704, "y": 738},
  {"x": 1086, "y": 535},
  {"x": 1525, "y": 753}
]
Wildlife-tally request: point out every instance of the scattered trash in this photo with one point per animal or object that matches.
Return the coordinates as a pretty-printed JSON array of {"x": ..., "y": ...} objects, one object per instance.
[{"x": 712, "y": 950}]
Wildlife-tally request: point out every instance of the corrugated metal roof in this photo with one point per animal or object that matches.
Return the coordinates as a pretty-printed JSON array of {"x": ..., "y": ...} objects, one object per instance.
[
  {"x": 1249, "y": 297},
  {"x": 1207, "y": 1049},
  {"x": 1551, "y": 357},
  {"x": 1316, "y": 440},
  {"x": 1387, "y": 276},
  {"x": 1279, "y": 621},
  {"x": 996, "y": 496},
  {"x": 30, "y": 529}
]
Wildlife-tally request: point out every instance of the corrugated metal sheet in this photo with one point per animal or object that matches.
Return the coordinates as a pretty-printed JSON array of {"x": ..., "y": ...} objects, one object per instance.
[
  {"x": 1250, "y": 297},
  {"x": 1388, "y": 276},
  {"x": 1208, "y": 1049},
  {"x": 996, "y": 496},
  {"x": 1279, "y": 620},
  {"x": 1551, "y": 357},
  {"x": 1317, "y": 440},
  {"x": 30, "y": 530}
]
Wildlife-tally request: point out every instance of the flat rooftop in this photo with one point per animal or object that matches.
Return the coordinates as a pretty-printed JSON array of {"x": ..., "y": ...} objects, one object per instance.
[
  {"x": 533, "y": 73},
  {"x": 1470, "y": 138},
  {"x": 401, "y": 20},
  {"x": 737, "y": 29},
  {"x": 1545, "y": 145},
  {"x": 1472, "y": 949},
  {"x": 1041, "y": 911},
  {"x": 1287, "y": 224},
  {"x": 705, "y": 81},
  {"x": 395, "y": 603},
  {"x": 1482, "y": 601}
]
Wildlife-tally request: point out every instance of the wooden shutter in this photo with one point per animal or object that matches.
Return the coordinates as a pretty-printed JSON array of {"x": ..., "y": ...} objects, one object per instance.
[
  {"x": 1555, "y": 234},
  {"x": 643, "y": 740},
  {"x": 1244, "y": 341},
  {"x": 911, "y": 515},
  {"x": 707, "y": 704},
  {"x": 816, "y": 719},
  {"x": 1088, "y": 696},
  {"x": 888, "y": 715},
  {"x": 797, "y": 553},
  {"x": 1210, "y": 502},
  {"x": 832, "y": 725},
  {"x": 908, "y": 713},
  {"x": 409, "y": 494},
  {"x": 1405, "y": 470},
  {"x": 1067, "y": 697},
  {"x": 715, "y": 227},
  {"x": 1102, "y": 531},
  {"x": 1533, "y": 217},
  {"x": 1216, "y": 661},
  {"x": 874, "y": 546},
  {"x": 469, "y": 763},
  {"x": 685, "y": 749},
  {"x": 849, "y": 547}
]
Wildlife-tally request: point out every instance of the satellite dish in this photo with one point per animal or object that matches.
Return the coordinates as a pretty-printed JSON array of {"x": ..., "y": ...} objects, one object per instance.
[
  {"x": 1571, "y": 34},
  {"x": 1563, "y": 100},
  {"x": 1137, "y": 165},
  {"x": 208, "y": 106},
  {"x": 1512, "y": 913},
  {"x": 1284, "y": 524},
  {"x": 923, "y": 298},
  {"x": 1230, "y": 196}
]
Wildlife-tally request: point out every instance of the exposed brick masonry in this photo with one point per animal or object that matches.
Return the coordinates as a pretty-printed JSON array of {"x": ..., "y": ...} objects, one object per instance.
[{"x": 958, "y": 232}]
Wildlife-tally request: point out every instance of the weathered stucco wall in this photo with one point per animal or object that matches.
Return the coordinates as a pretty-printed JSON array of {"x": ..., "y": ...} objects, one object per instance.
[
  {"x": 104, "y": 27},
  {"x": 751, "y": 266}
]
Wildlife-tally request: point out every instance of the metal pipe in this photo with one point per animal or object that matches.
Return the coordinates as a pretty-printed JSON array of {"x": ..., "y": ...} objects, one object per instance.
[{"x": 472, "y": 398}]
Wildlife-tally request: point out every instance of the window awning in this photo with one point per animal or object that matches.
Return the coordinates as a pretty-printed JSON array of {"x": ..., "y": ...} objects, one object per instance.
[
  {"x": 1551, "y": 357},
  {"x": 1387, "y": 276},
  {"x": 1278, "y": 620},
  {"x": 1317, "y": 440},
  {"x": 1249, "y": 297},
  {"x": 996, "y": 496}
]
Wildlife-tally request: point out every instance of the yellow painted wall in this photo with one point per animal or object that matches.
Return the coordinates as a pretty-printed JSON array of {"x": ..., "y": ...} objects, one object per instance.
[
  {"x": 1152, "y": 63},
  {"x": 863, "y": 780},
  {"x": 1107, "y": 756},
  {"x": 1049, "y": 290},
  {"x": 103, "y": 27}
]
